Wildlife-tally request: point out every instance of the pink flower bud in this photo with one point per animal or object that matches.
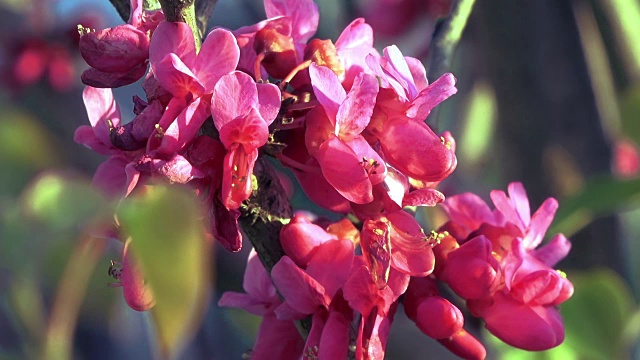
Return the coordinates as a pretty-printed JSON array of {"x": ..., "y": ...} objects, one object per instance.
[
  {"x": 437, "y": 318},
  {"x": 465, "y": 345},
  {"x": 117, "y": 49}
]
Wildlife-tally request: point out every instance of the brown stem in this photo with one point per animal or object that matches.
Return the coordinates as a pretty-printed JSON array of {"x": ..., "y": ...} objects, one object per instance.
[{"x": 262, "y": 218}]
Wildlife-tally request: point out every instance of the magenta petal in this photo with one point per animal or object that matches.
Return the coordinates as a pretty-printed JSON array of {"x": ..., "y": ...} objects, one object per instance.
[
  {"x": 256, "y": 280},
  {"x": 343, "y": 171},
  {"x": 403, "y": 74},
  {"x": 277, "y": 340},
  {"x": 321, "y": 192},
  {"x": 233, "y": 96},
  {"x": 520, "y": 201},
  {"x": 386, "y": 81},
  {"x": 225, "y": 225},
  {"x": 86, "y": 136},
  {"x": 372, "y": 161},
  {"x": 300, "y": 238},
  {"x": 431, "y": 96},
  {"x": 172, "y": 38},
  {"x": 244, "y": 301},
  {"x": 133, "y": 176},
  {"x": 334, "y": 343},
  {"x": 302, "y": 292},
  {"x": 248, "y": 129},
  {"x": 177, "y": 170},
  {"x": 357, "y": 33},
  {"x": 102, "y": 109},
  {"x": 100, "y": 79},
  {"x": 304, "y": 16},
  {"x": 268, "y": 101},
  {"x": 175, "y": 77},
  {"x": 554, "y": 251},
  {"x": 218, "y": 56},
  {"x": 360, "y": 291},
  {"x": 410, "y": 251},
  {"x": 468, "y": 210},
  {"x": 532, "y": 328},
  {"x": 412, "y": 147},
  {"x": 355, "y": 112},
  {"x": 423, "y": 197},
  {"x": 236, "y": 179},
  {"x": 327, "y": 89},
  {"x": 330, "y": 264},
  {"x": 185, "y": 128},
  {"x": 418, "y": 72},
  {"x": 540, "y": 222},
  {"x": 110, "y": 176}
]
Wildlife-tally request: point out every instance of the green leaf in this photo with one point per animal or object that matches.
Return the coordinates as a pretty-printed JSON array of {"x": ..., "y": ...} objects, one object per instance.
[
  {"x": 62, "y": 203},
  {"x": 597, "y": 314},
  {"x": 598, "y": 197},
  {"x": 507, "y": 352},
  {"x": 169, "y": 243},
  {"x": 26, "y": 147},
  {"x": 630, "y": 113}
]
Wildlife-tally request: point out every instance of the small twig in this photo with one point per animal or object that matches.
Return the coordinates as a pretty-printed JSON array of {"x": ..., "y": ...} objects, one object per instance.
[
  {"x": 446, "y": 41},
  {"x": 123, "y": 7},
  {"x": 204, "y": 10}
]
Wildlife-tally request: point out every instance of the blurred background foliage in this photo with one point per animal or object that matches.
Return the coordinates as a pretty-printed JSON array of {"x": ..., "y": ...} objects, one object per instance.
[{"x": 549, "y": 94}]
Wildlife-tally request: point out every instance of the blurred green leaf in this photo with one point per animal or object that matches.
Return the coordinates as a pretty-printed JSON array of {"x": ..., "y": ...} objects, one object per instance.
[
  {"x": 170, "y": 245},
  {"x": 598, "y": 197},
  {"x": 479, "y": 122},
  {"x": 25, "y": 148},
  {"x": 624, "y": 17},
  {"x": 597, "y": 314},
  {"x": 630, "y": 113},
  {"x": 62, "y": 203}
]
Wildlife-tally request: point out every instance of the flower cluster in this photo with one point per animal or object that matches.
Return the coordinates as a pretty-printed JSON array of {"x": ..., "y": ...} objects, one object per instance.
[{"x": 349, "y": 122}]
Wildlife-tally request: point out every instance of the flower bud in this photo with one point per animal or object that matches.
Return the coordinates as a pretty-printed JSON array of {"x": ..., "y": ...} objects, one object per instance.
[
  {"x": 323, "y": 52},
  {"x": 437, "y": 318},
  {"x": 118, "y": 49},
  {"x": 279, "y": 52}
]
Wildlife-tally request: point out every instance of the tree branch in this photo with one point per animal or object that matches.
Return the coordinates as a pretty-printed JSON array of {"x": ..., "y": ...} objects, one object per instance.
[
  {"x": 204, "y": 10},
  {"x": 445, "y": 42}
]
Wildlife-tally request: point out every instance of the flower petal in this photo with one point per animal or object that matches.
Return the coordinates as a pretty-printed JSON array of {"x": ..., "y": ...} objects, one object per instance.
[
  {"x": 302, "y": 292},
  {"x": 355, "y": 111},
  {"x": 218, "y": 56},
  {"x": 233, "y": 96},
  {"x": 343, "y": 171},
  {"x": 327, "y": 89}
]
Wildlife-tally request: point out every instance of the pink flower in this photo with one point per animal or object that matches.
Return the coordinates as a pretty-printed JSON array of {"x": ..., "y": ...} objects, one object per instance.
[
  {"x": 499, "y": 271},
  {"x": 118, "y": 56},
  {"x": 405, "y": 100},
  {"x": 276, "y": 338},
  {"x": 242, "y": 111},
  {"x": 333, "y": 137}
]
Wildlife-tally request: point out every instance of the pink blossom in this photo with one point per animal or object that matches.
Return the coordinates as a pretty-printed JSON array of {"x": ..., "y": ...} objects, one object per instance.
[
  {"x": 501, "y": 274},
  {"x": 242, "y": 111},
  {"x": 347, "y": 161}
]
